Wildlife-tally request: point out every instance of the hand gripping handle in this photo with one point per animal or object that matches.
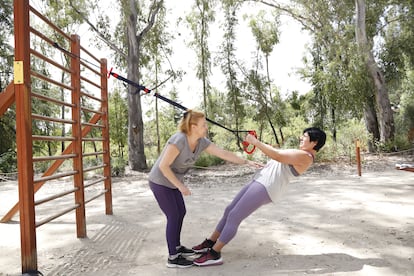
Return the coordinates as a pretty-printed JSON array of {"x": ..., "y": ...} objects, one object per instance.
[{"x": 246, "y": 144}]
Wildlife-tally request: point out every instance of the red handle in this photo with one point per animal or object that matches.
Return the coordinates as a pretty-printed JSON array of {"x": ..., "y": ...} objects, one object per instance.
[
  {"x": 109, "y": 73},
  {"x": 246, "y": 144}
]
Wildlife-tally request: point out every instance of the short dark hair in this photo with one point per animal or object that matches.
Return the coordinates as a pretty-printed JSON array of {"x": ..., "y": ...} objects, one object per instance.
[{"x": 316, "y": 134}]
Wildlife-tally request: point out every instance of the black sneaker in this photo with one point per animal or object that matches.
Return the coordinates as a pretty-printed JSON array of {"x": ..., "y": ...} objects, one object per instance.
[
  {"x": 204, "y": 246},
  {"x": 179, "y": 262},
  {"x": 184, "y": 251}
]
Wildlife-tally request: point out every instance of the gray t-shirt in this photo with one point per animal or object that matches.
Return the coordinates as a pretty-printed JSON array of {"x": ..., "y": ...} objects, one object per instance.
[{"x": 184, "y": 161}]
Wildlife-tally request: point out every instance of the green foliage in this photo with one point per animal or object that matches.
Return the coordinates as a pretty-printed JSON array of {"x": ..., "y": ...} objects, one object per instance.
[
  {"x": 295, "y": 128},
  {"x": 405, "y": 112},
  {"x": 345, "y": 146},
  {"x": 348, "y": 133},
  {"x": 401, "y": 142},
  {"x": 199, "y": 21},
  {"x": 265, "y": 31},
  {"x": 118, "y": 166},
  {"x": 118, "y": 121},
  {"x": 7, "y": 120},
  {"x": 8, "y": 161},
  {"x": 206, "y": 160},
  {"x": 341, "y": 86},
  {"x": 7, "y": 131},
  {"x": 6, "y": 30},
  {"x": 158, "y": 132},
  {"x": 223, "y": 138},
  {"x": 234, "y": 100}
]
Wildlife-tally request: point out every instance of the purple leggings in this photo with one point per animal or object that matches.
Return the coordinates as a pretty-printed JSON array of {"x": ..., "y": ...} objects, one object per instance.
[
  {"x": 172, "y": 204},
  {"x": 248, "y": 200}
]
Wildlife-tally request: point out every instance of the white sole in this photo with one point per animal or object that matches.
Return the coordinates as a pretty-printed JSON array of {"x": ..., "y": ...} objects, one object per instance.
[
  {"x": 210, "y": 263},
  {"x": 204, "y": 250},
  {"x": 178, "y": 266}
]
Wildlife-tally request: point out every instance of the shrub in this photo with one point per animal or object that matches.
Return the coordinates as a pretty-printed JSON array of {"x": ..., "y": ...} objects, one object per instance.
[
  {"x": 118, "y": 165},
  {"x": 8, "y": 162},
  {"x": 206, "y": 160}
]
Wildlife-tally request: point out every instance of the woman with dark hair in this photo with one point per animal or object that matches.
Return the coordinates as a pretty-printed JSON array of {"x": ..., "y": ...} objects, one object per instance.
[
  {"x": 267, "y": 186},
  {"x": 166, "y": 178}
]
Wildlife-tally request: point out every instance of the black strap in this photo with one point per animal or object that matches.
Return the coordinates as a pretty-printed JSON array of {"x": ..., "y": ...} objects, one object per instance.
[{"x": 147, "y": 91}]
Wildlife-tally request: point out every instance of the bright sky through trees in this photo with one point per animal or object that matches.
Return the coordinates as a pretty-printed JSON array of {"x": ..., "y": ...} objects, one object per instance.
[{"x": 286, "y": 57}]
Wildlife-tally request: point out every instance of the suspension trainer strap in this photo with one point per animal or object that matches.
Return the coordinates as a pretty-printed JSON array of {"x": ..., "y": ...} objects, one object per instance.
[
  {"x": 185, "y": 108},
  {"x": 134, "y": 84},
  {"x": 170, "y": 101},
  {"x": 147, "y": 91}
]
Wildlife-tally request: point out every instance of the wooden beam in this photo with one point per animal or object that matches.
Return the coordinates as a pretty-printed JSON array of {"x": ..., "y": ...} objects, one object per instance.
[
  {"x": 22, "y": 89},
  {"x": 7, "y": 98},
  {"x": 76, "y": 132},
  {"x": 105, "y": 135}
]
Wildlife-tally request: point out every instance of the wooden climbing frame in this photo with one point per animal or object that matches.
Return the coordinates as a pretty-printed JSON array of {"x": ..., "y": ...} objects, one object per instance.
[{"x": 75, "y": 86}]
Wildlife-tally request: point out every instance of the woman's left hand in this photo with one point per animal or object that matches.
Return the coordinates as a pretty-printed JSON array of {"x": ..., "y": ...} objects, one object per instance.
[{"x": 251, "y": 139}]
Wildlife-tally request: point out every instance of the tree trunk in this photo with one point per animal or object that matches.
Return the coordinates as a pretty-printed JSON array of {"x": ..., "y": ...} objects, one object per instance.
[
  {"x": 136, "y": 157},
  {"x": 333, "y": 124},
  {"x": 371, "y": 123},
  {"x": 272, "y": 126},
  {"x": 385, "y": 116}
]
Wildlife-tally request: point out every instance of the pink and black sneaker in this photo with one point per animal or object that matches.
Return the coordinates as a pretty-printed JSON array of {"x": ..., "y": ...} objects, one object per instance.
[
  {"x": 204, "y": 246},
  {"x": 211, "y": 257}
]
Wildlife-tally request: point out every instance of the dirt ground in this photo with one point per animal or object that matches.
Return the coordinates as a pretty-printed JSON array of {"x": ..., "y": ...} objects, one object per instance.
[{"x": 330, "y": 222}]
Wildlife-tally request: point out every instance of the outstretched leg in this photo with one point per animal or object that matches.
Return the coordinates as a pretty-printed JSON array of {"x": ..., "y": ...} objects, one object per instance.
[{"x": 249, "y": 199}]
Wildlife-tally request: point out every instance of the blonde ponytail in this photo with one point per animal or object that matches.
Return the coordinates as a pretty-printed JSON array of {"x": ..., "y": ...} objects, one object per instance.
[{"x": 190, "y": 117}]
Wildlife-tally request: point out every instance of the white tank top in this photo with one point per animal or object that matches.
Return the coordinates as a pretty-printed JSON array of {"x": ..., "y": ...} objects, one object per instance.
[{"x": 275, "y": 176}]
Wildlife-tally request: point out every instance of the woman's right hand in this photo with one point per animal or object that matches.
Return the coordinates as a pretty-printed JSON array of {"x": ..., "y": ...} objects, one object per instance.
[
  {"x": 255, "y": 164},
  {"x": 184, "y": 190}
]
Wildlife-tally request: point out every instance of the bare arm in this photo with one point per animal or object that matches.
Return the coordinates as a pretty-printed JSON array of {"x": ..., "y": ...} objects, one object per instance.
[
  {"x": 230, "y": 156},
  {"x": 300, "y": 159},
  {"x": 171, "y": 152}
]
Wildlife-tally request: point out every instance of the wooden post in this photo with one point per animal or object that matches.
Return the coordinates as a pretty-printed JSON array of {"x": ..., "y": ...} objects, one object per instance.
[
  {"x": 77, "y": 133},
  {"x": 358, "y": 156},
  {"x": 105, "y": 135},
  {"x": 22, "y": 89}
]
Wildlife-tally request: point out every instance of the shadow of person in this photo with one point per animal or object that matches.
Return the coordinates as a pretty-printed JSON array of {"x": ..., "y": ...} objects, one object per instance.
[{"x": 324, "y": 263}]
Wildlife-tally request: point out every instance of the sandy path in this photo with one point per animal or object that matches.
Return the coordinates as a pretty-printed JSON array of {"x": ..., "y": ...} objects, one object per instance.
[{"x": 341, "y": 224}]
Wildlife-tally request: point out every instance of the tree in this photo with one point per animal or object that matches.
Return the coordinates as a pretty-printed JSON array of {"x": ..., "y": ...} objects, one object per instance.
[
  {"x": 228, "y": 63},
  {"x": 267, "y": 36},
  {"x": 385, "y": 115},
  {"x": 327, "y": 19},
  {"x": 156, "y": 50},
  {"x": 199, "y": 20},
  {"x": 130, "y": 33},
  {"x": 135, "y": 32},
  {"x": 396, "y": 57}
]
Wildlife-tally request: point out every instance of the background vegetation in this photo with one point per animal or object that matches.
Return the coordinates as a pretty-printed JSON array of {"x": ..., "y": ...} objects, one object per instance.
[{"x": 360, "y": 63}]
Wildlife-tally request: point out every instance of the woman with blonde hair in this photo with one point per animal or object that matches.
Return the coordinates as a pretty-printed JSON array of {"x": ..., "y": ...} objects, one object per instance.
[{"x": 166, "y": 178}]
